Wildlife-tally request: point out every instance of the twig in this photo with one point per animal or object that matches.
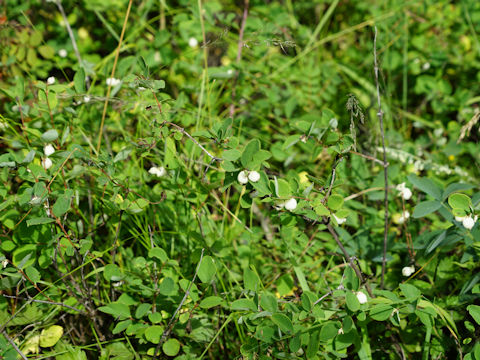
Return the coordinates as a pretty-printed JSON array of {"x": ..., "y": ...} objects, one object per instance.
[
  {"x": 385, "y": 164},
  {"x": 350, "y": 259},
  {"x": 368, "y": 157},
  {"x": 70, "y": 32},
  {"x": 112, "y": 75},
  {"x": 170, "y": 323},
  {"x": 22, "y": 355},
  {"x": 43, "y": 302},
  {"x": 360, "y": 193},
  {"x": 239, "y": 56},
  {"x": 184, "y": 132}
]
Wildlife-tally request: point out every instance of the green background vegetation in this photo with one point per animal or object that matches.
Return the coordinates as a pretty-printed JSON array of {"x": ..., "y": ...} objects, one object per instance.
[{"x": 101, "y": 258}]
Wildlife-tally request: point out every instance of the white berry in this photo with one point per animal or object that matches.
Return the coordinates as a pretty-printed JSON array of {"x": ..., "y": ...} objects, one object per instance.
[
  {"x": 253, "y": 176},
  {"x": 339, "y": 221},
  {"x": 47, "y": 163},
  {"x": 469, "y": 222},
  {"x": 362, "y": 298},
  {"x": 408, "y": 270},
  {"x": 51, "y": 80},
  {"x": 291, "y": 204},
  {"x": 48, "y": 149},
  {"x": 242, "y": 177},
  {"x": 192, "y": 42},
  {"x": 159, "y": 172}
]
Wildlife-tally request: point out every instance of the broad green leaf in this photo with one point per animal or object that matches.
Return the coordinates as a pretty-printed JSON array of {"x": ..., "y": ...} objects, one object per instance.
[
  {"x": 207, "y": 269},
  {"x": 283, "y": 322},
  {"x": 50, "y": 135},
  {"x": 158, "y": 253},
  {"x": 352, "y": 302},
  {"x": 269, "y": 302},
  {"x": 171, "y": 347},
  {"x": 50, "y": 336},
  {"x": 329, "y": 331},
  {"x": 249, "y": 153},
  {"x": 381, "y": 312},
  {"x": 142, "y": 310},
  {"x": 167, "y": 286},
  {"x": 335, "y": 202},
  {"x": 426, "y": 207},
  {"x": 282, "y": 188},
  {"x": 39, "y": 221},
  {"x": 426, "y": 185},
  {"x": 455, "y": 187},
  {"x": 153, "y": 333},
  {"x": 410, "y": 291},
  {"x": 474, "y": 311},
  {"x": 116, "y": 309},
  {"x": 79, "y": 81},
  {"x": 459, "y": 201},
  {"x": 112, "y": 272},
  {"x": 210, "y": 301},
  {"x": 250, "y": 280},
  {"x": 121, "y": 326},
  {"x": 321, "y": 210},
  {"x": 231, "y": 155},
  {"x": 244, "y": 304},
  {"x": 33, "y": 274},
  {"x": 61, "y": 206}
]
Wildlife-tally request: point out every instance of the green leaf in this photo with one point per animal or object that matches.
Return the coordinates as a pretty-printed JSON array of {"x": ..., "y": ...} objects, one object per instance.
[
  {"x": 50, "y": 336},
  {"x": 474, "y": 311},
  {"x": 121, "y": 326},
  {"x": 283, "y": 322},
  {"x": 243, "y": 304},
  {"x": 249, "y": 153},
  {"x": 116, "y": 309},
  {"x": 426, "y": 207},
  {"x": 352, "y": 302},
  {"x": 61, "y": 206},
  {"x": 269, "y": 302},
  {"x": 426, "y": 185},
  {"x": 455, "y": 187},
  {"x": 328, "y": 331},
  {"x": 50, "y": 135},
  {"x": 112, "y": 272},
  {"x": 210, "y": 301},
  {"x": 231, "y": 155},
  {"x": 381, "y": 312},
  {"x": 153, "y": 333},
  {"x": 171, "y": 347},
  {"x": 143, "y": 66},
  {"x": 167, "y": 286},
  {"x": 142, "y": 310},
  {"x": 321, "y": 210},
  {"x": 33, "y": 274},
  {"x": 335, "y": 202},
  {"x": 158, "y": 253},
  {"x": 250, "y": 280},
  {"x": 29, "y": 157},
  {"x": 459, "y": 201},
  {"x": 207, "y": 269},
  {"x": 39, "y": 221},
  {"x": 282, "y": 188},
  {"x": 410, "y": 291},
  {"x": 79, "y": 81}
]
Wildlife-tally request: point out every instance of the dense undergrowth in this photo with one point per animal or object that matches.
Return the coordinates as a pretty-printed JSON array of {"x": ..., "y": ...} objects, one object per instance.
[{"x": 207, "y": 179}]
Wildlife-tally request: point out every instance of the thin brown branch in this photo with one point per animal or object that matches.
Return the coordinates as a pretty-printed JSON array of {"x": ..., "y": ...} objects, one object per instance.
[
  {"x": 43, "y": 302},
  {"x": 22, "y": 355},
  {"x": 385, "y": 164}
]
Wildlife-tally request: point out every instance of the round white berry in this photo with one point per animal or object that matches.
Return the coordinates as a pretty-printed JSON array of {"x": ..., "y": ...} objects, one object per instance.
[
  {"x": 192, "y": 42},
  {"x": 242, "y": 177},
  {"x": 51, "y": 80},
  {"x": 408, "y": 270},
  {"x": 47, "y": 163},
  {"x": 253, "y": 176},
  {"x": 468, "y": 222},
  {"x": 362, "y": 298},
  {"x": 291, "y": 204},
  {"x": 48, "y": 149},
  {"x": 159, "y": 172},
  {"x": 87, "y": 98},
  {"x": 63, "y": 53}
]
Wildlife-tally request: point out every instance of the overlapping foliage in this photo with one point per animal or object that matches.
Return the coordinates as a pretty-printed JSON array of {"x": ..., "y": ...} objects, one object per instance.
[{"x": 221, "y": 192}]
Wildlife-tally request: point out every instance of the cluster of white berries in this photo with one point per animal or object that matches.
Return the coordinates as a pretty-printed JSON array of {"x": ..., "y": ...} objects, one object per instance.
[
  {"x": 244, "y": 176},
  {"x": 159, "y": 172},
  {"x": 362, "y": 298},
  {"x": 404, "y": 217},
  {"x": 408, "y": 270},
  {"x": 468, "y": 221},
  {"x": 404, "y": 191},
  {"x": 47, "y": 162},
  {"x": 51, "y": 80},
  {"x": 113, "y": 81},
  {"x": 290, "y": 204}
]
